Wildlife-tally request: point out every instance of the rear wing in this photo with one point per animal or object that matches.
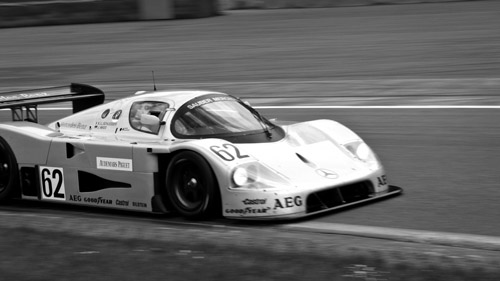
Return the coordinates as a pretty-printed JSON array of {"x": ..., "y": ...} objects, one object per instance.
[{"x": 23, "y": 104}]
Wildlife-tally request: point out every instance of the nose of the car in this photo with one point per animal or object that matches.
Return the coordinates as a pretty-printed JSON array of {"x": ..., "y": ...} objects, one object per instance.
[{"x": 312, "y": 164}]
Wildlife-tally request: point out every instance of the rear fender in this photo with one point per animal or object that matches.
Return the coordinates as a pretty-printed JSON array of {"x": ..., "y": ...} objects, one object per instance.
[{"x": 30, "y": 142}]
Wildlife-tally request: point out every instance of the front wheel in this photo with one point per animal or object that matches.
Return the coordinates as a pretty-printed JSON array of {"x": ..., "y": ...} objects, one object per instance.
[
  {"x": 191, "y": 187},
  {"x": 8, "y": 171}
]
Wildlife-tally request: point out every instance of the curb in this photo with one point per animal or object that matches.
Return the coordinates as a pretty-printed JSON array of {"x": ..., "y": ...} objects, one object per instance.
[
  {"x": 315, "y": 238},
  {"x": 480, "y": 242}
]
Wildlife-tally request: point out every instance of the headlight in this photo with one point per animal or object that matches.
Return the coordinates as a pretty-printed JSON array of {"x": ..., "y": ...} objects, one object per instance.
[
  {"x": 363, "y": 152},
  {"x": 255, "y": 175},
  {"x": 240, "y": 176}
]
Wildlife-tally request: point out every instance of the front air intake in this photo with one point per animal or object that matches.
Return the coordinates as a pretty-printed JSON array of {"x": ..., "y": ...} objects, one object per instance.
[{"x": 338, "y": 196}]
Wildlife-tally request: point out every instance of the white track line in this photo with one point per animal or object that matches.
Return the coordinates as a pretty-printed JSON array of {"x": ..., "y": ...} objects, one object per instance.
[
  {"x": 149, "y": 85},
  {"x": 381, "y": 107},
  {"x": 336, "y": 107},
  {"x": 289, "y": 82}
]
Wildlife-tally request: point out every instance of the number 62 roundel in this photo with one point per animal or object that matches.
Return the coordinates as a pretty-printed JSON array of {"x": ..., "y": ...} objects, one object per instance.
[{"x": 52, "y": 183}]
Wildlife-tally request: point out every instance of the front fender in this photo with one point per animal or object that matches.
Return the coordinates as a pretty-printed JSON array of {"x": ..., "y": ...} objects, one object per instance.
[
  {"x": 223, "y": 156},
  {"x": 340, "y": 133},
  {"x": 217, "y": 151}
]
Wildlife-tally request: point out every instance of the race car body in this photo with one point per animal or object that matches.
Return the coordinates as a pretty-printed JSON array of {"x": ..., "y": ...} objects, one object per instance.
[{"x": 197, "y": 153}]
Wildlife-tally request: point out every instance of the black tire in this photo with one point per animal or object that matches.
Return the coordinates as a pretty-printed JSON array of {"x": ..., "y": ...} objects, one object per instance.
[
  {"x": 192, "y": 190},
  {"x": 9, "y": 174}
]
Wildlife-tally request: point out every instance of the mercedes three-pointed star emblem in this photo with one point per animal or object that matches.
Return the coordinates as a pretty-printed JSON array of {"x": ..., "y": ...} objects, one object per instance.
[{"x": 327, "y": 173}]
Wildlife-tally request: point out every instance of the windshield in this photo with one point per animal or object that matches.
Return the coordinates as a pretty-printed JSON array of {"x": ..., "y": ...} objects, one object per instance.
[{"x": 216, "y": 114}]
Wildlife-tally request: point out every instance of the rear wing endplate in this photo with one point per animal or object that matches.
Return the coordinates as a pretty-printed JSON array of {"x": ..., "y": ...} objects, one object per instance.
[{"x": 23, "y": 104}]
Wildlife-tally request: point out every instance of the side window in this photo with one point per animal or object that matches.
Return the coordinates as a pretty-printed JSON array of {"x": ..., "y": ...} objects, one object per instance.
[{"x": 145, "y": 116}]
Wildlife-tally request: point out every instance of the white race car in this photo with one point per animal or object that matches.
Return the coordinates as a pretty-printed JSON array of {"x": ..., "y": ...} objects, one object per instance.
[{"x": 196, "y": 153}]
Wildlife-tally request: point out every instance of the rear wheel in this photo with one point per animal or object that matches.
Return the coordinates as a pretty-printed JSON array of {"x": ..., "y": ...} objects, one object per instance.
[
  {"x": 191, "y": 187},
  {"x": 9, "y": 178}
]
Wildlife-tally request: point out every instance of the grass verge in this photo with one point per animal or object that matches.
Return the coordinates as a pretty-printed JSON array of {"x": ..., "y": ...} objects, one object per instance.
[{"x": 29, "y": 254}]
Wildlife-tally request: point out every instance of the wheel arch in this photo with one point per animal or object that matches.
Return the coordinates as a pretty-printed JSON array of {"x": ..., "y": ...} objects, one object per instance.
[
  {"x": 13, "y": 188},
  {"x": 218, "y": 166},
  {"x": 219, "y": 170},
  {"x": 29, "y": 142}
]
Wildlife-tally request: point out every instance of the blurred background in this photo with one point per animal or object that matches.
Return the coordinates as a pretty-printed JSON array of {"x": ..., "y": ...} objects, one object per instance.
[{"x": 44, "y": 12}]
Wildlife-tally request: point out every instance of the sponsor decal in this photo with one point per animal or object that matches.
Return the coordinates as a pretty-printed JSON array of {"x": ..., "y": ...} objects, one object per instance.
[
  {"x": 105, "y": 201},
  {"x": 254, "y": 201},
  {"x": 327, "y": 173},
  {"x": 79, "y": 126},
  {"x": 207, "y": 101},
  {"x": 118, "y": 164},
  {"x": 199, "y": 103},
  {"x": 248, "y": 210},
  {"x": 121, "y": 202},
  {"x": 24, "y": 96},
  {"x": 382, "y": 180},
  {"x": 288, "y": 202},
  {"x": 91, "y": 200},
  {"x": 75, "y": 198},
  {"x": 104, "y": 125},
  {"x": 98, "y": 200},
  {"x": 139, "y": 204},
  {"x": 222, "y": 98}
]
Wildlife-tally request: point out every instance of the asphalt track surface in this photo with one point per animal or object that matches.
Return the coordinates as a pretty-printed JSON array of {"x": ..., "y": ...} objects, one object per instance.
[{"x": 446, "y": 159}]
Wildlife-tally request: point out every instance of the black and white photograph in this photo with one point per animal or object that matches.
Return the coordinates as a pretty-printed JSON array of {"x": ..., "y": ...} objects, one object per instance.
[{"x": 222, "y": 140}]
